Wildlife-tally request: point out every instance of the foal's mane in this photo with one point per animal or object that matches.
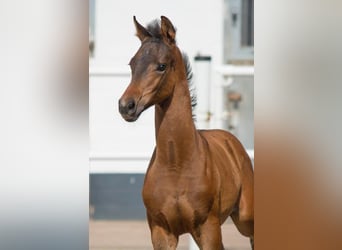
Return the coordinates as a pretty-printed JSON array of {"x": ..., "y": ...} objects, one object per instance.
[{"x": 155, "y": 31}]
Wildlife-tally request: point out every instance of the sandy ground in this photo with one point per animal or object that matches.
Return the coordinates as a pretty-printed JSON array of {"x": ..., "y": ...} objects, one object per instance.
[{"x": 135, "y": 235}]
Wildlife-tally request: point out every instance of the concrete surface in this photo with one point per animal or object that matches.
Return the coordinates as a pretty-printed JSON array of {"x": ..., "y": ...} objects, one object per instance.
[{"x": 135, "y": 235}]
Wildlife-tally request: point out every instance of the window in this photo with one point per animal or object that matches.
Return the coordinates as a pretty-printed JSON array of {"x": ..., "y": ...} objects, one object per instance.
[
  {"x": 247, "y": 23},
  {"x": 239, "y": 31},
  {"x": 91, "y": 27}
]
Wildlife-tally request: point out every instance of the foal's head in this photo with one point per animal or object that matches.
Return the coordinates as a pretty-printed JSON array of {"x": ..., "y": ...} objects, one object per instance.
[{"x": 153, "y": 69}]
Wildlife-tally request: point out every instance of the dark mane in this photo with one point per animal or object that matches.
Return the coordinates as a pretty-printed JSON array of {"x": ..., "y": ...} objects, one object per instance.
[
  {"x": 154, "y": 29},
  {"x": 191, "y": 84}
]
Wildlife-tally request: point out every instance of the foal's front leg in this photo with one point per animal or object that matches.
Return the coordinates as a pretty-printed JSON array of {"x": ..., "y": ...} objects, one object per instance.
[
  {"x": 162, "y": 239},
  {"x": 208, "y": 235}
]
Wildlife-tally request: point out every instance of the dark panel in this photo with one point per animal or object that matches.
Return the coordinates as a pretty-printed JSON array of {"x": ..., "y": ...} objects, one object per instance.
[{"x": 116, "y": 196}]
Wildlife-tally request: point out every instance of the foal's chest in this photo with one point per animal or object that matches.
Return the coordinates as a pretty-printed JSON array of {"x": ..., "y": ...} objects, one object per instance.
[
  {"x": 175, "y": 202},
  {"x": 170, "y": 209},
  {"x": 160, "y": 194}
]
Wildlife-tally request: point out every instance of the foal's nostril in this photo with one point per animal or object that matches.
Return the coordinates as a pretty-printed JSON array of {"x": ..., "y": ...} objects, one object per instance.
[
  {"x": 127, "y": 108},
  {"x": 131, "y": 105}
]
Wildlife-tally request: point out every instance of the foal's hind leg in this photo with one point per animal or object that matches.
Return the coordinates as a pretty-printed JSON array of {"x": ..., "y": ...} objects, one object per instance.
[
  {"x": 243, "y": 217},
  {"x": 245, "y": 227}
]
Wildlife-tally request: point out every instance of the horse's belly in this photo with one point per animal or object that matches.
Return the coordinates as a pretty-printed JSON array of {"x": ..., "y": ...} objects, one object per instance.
[{"x": 229, "y": 195}]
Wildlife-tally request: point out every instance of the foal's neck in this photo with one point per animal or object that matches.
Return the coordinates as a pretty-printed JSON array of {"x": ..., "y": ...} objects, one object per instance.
[{"x": 175, "y": 128}]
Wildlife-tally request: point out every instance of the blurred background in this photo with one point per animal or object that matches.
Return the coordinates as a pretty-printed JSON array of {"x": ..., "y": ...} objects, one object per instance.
[{"x": 218, "y": 37}]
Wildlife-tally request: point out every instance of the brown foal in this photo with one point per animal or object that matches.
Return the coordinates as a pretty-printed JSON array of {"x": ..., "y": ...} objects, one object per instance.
[{"x": 196, "y": 178}]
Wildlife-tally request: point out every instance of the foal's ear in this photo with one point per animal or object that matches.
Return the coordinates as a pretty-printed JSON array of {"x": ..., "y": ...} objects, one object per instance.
[
  {"x": 142, "y": 33},
  {"x": 167, "y": 30}
]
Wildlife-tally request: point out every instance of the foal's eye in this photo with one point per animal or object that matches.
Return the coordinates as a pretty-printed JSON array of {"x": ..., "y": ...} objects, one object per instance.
[{"x": 161, "y": 67}]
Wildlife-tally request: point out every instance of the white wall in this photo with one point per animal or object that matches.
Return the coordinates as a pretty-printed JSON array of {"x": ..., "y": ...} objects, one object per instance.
[
  {"x": 115, "y": 144},
  {"x": 199, "y": 27}
]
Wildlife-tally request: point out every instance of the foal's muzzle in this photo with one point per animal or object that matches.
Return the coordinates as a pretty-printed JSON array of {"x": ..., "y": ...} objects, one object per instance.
[{"x": 128, "y": 109}]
